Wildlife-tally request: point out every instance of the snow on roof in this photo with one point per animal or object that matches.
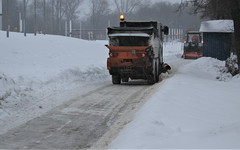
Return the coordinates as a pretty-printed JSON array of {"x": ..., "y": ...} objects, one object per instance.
[
  {"x": 217, "y": 26},
  {"x": 130, "y": 34}
]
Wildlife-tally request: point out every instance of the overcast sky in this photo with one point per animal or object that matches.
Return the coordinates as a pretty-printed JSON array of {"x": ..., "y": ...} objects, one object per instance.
[
  {"x": 85, "y": 10},
  {"x": 171, "y": 1}
]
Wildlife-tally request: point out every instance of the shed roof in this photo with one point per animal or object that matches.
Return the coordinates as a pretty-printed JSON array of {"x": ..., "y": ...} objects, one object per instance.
[{"x": 217, "y": 26}]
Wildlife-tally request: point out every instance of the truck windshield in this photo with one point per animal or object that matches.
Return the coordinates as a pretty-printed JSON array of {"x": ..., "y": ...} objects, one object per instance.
[
  {"x": 194, "y": 38},
  {"x": 129, "y": 41}
]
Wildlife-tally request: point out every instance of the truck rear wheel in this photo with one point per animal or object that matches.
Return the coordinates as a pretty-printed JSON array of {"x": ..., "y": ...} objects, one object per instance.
[
  {"x": 116, "y": 79},
  {"x": 153, "y": 78},
  {"x": 156, "y": 74},
  {"x": 125, "y": 79}
]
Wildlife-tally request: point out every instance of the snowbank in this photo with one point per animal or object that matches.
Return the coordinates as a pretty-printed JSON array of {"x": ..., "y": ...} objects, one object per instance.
[
  {"x": 217, "y": 26},
  {"x": 35, "y": 68},
  {"x": 192, "y": 110},
  {"x": 198, "y": 107},
  {"x": 44, "y": 56},
  {"x": 7, "y": 87}
]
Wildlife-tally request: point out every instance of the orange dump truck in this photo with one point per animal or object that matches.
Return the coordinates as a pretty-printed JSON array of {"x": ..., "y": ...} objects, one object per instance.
[{"x": 136, "y": 51}]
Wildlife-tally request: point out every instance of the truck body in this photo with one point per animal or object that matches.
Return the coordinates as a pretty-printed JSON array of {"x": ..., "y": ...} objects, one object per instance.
[
  {"x": 193, "y": 45},
  {"x": 136, "y": 51}
]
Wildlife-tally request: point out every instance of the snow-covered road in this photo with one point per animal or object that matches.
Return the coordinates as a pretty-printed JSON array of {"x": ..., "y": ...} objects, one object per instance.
[
  {"x": 56, "y": 93},
  {"x": 60, "y": 96},
  {"x": 197, "y": 108},
  {"x": 95, "y": 115},
  {"x": 80, "y": 122}
]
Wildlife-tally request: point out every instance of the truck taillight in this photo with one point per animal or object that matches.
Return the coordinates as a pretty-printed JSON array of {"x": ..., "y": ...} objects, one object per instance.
[
  {"x": 140, "y": 55},
  {"x": 149, "y": 64},
  {"x": 108, "y": 65},
  {"x": 113, "y": 54}
]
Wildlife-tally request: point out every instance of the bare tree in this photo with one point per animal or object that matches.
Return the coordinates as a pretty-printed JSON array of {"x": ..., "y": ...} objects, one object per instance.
[
  {"x": 57, "y": 12},
  {"x": 235, "y": 13},
  {"x": 214, "y": 9},
  {"x": 59, "y": 15},
  {"x": 219, "y": 9},
  {"x": 99, "y": 8},
  {"x": 70, "y": 8},
  {"x": 127, "y": 6},
  {"x": 9, "y": 14}
]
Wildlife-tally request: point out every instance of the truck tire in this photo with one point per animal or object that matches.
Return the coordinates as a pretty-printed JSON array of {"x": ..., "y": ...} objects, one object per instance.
[
  {"x": 116, "y": 79},
  {"x": 156, "y": 74},
  {"x": 125, "y": 79},
  {"x": 152, "y": 78}
]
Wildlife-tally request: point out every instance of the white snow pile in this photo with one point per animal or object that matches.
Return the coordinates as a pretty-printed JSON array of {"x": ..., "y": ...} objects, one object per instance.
[
  {"x": 191, "y": 110},
  {"x": 231, "y": 65},
  {"x": 172, "y": 50},
  {"x": 197, "y": 107},
  {"x": 35, "y": 68},
  {"x": 217, "y": 26},
  {"x": 7, "y": 87}
]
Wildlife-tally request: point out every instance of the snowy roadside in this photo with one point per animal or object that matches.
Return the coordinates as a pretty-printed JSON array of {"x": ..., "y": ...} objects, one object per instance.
[
  {"x": 38, "y": 73},
  {"x": 192, "y": 110}
]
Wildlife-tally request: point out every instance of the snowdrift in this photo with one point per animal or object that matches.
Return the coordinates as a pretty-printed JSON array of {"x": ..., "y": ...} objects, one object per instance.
[
  {"x": 197, "y": 108},
  {"x": 35, "y": 68},
  {"x": 31, "y": 60}
]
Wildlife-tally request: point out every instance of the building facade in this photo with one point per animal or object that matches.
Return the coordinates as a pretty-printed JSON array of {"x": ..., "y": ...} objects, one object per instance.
[
  {"x": 217, "y": 37},
  {"x": 0, "y": 14}
]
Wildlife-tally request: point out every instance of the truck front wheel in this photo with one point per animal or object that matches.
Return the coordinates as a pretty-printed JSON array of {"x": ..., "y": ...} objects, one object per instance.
[
  {"x": 116, "y": 79},
  {"x": 153, "y": 77}
]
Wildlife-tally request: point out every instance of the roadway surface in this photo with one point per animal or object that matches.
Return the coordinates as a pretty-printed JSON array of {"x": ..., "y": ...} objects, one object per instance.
[
  {"x": 79, "y": 122},
  {"x": 90, "y": 120}
]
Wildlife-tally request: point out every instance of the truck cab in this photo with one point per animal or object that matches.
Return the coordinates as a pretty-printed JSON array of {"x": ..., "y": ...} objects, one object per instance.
[
  {"x": 136, "y": 51},
  {"x": 193, "y": 45}
]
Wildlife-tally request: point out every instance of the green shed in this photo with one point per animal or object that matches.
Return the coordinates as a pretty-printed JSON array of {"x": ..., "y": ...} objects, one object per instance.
[{"x": 217, "y": 37}]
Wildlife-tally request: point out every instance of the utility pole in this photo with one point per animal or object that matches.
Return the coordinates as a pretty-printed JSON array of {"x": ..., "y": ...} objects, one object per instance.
[
  {"x": 65, "y": 28},
  {"x": 7, "y": 16},
  {"x": 20, "y": 22},
  {"x": 60, "y": 17},
  {"x": 0, "y": 14},
  {"x": 80, "y": 30},
  {"x": 44, "y": 17},
  {"x": 35, "y": 17},
  {"x": 24, "y": 24},
  {"x": 52, "y": 25},
  {"x": 70, "y": 28}
]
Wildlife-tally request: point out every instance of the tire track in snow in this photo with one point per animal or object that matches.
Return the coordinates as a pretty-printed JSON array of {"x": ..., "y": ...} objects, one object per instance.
[
  {"x": 128, "y": 114},
  {"x": 90, "y": 120},
  {"x": 78, "y": 123}
]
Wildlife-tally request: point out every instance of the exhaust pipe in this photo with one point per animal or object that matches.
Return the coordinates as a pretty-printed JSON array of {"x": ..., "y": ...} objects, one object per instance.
[{"x": 165, "y": 67}]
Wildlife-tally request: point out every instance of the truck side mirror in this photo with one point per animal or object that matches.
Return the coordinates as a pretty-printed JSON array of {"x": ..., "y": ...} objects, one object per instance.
[{"x": 165, "y": 30}]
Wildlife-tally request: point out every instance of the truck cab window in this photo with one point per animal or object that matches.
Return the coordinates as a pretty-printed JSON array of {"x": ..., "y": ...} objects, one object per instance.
[
  {"x": 129, "y": 41},
  {"x": 195, "y": 38}
]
